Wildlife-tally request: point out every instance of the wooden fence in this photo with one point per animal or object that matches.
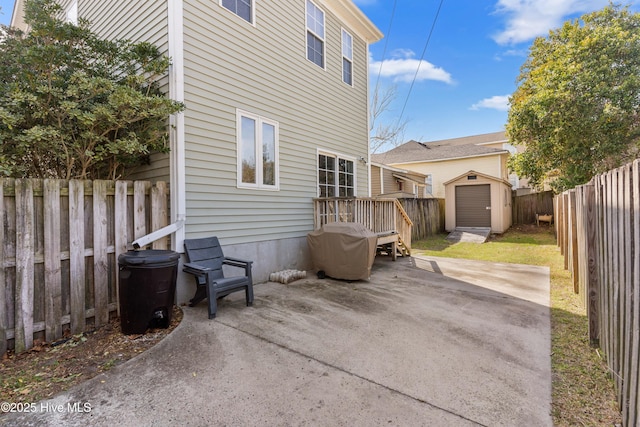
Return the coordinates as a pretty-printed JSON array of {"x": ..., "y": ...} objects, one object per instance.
[
  {"x": 598, "y": 229},
  {"x": 59, "y": 245},
  {"x": 427, "y": 216},
  {"x": 524, "y": 208}
]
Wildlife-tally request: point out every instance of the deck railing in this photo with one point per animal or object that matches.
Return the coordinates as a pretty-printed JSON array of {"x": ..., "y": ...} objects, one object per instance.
[{"x": 378, "y": 215}]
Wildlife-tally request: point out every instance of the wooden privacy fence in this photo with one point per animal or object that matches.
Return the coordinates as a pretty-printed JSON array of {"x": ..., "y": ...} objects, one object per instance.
[
  {"x": 524, "y": 208},
  {"x": 59, "y": 245},
  {"x": 598, "y": 229},
  {"x": 427, "y": 216}
]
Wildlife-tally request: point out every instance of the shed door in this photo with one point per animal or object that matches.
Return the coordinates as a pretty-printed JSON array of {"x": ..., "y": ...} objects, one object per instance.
[{"x": 473, "y": 205}]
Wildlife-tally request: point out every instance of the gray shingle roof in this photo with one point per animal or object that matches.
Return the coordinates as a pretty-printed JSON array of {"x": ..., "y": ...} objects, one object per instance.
[{"x": 414, "y": 151}]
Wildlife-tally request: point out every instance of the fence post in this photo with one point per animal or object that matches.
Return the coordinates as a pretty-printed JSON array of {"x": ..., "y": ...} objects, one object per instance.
[
  {"x": 573, "y": 243},
  {"x": 52, "y": 273},
  {"x": 592, "y": 263},
  {"x": 3, "y": 298},
  {"x": 77, "y": 266},
  {"x": 634, "y": 372},
  {"x": 24, "y": 266}
]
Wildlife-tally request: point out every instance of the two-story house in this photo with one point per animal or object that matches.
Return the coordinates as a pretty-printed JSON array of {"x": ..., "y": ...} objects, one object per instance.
[{"x": 276, "y": 96}]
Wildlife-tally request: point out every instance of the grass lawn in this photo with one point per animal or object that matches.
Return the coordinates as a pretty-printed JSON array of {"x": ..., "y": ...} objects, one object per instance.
[{"x": 582, "y": 391}]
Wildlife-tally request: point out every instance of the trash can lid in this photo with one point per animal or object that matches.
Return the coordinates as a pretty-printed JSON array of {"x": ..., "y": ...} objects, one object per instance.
[{"x": 148, "y": 257}]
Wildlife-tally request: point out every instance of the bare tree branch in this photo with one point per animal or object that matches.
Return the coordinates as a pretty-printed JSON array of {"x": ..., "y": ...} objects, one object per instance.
[{"x": 383, "y": 133}]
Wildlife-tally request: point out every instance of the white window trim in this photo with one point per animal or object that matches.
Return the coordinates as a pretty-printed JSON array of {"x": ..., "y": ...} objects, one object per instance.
[
  {"x": 259, "y": 121},
  {"x": 324, "y": 39},
  {"x": 253, "y": 13},
  {"x": 353, "y": 83},
  {"x": 338, "y": 156}
]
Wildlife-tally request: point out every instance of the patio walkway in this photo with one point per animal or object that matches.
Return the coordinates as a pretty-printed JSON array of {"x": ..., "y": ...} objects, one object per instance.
[{"x": 427, "y": 341}]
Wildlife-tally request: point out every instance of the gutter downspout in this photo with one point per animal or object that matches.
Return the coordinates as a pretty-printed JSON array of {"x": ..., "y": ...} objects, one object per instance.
[{"x": 177, "y": 181}]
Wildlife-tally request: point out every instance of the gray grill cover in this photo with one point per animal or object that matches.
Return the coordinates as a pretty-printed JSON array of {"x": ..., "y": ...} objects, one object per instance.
[{"x": 343, "y": 250}]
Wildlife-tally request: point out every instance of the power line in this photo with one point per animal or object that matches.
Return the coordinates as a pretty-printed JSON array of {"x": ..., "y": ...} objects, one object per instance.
[
  {"x": 424, "y": 51},
  {"x": 386, "y": 43}
]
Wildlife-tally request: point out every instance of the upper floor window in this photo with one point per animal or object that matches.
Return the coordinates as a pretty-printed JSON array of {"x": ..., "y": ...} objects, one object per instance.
[
  {"x": 72, "y": 13},
  {"x": 257, "y": 152},
  {"x": 336, "y": 176},
  {"x": 315, "y": 34},
  {"x": 242, "y": 8},
  {"x": 347, "y": 58}
]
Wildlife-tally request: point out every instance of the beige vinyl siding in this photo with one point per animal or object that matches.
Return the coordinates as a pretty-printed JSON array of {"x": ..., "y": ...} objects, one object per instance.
[
  {"x": 376, "y": 187},
  {"x": 139, "y": 21},
  {"x": 262, "y": 69},
  {"x": 390, "y": 185},
  {"x": 443, "y": 171}
]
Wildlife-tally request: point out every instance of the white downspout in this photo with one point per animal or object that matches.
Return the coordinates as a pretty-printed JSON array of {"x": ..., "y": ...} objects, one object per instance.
[
  {"x": 176, "y": 134},
  {"x": 177, "y": 137}
]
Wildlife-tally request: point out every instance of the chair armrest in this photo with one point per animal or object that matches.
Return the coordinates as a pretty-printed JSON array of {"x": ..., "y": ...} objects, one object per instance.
[
  {"x": 241, "y": 263},
  {"x": 237, "y": 262},
  {"x": 195, "y": 269},
  {"x": 234, "y": 261}
]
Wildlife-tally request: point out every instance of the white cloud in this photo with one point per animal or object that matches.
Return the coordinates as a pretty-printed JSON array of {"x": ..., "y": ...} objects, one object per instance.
[
  {"x": 498, "y": 102},
  {"x": 528, "y": 19},
  {"x": 402, "y": 67}
]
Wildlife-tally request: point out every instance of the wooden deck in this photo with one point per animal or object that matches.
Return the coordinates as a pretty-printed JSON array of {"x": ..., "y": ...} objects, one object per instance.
[{"x": 385, "y": 217}]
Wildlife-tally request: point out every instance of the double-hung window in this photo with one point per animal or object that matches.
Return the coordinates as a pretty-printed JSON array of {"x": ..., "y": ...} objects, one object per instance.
[
  {"x": 242, "y": 8},
  {"x": 315, "y": 34},
  {"x": 347, "y": 58},
  {"x": 336, "y": 176},
  {"x": 258, "y": 164}
]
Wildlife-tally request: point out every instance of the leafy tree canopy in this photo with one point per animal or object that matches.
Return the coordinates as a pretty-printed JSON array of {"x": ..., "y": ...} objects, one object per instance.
[
  {"x": 75, "y": 106},
  {"x": 576, "y": 110}
]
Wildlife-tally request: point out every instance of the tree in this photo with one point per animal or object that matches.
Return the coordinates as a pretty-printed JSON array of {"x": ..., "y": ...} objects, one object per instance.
[
  {"x": 75, "y": 106},
  {"x": 576, "y": 107},
  {"x": 383, "y": 134}
]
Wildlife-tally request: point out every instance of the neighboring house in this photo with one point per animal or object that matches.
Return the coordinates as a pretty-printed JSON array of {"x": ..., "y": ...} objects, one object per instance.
[
  {"x": 387, "y": 181},
  {"x": 276, "y": 96},
  {"x": 445, "y": 161}
]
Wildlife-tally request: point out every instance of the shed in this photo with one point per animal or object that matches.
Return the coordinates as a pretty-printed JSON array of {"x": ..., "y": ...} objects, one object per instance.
[{"x": 474, "y": 199}]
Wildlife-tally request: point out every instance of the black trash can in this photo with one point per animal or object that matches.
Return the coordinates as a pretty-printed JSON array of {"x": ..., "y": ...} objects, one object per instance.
[{"x": 147, "y": 289}]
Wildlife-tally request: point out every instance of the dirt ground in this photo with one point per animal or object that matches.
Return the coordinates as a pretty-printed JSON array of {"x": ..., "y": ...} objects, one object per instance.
[{"x": 50, "y": 368}]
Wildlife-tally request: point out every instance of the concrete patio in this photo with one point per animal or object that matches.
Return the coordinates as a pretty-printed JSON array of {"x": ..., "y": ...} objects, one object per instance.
[{"x": 427, "y": 341}]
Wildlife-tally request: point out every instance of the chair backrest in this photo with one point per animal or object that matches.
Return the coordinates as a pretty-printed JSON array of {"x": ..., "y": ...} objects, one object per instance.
[{"x": 206, "y": 252}]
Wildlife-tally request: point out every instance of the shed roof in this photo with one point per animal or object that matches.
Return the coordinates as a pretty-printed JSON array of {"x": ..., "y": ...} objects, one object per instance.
[{"x": 484, "y": 175}]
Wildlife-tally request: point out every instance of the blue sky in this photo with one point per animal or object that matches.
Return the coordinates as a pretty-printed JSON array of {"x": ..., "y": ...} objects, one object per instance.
[
  {"x": 6, "y": 8},
  {"x": 471, "y": 62}
]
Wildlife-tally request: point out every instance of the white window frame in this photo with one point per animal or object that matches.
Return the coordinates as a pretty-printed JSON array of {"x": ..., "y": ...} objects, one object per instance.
[
  {"x": 428, "y": 184},
  {"x": 71, "y": 12},
  {"x": 348, "y": 56},
  {"x": 337, "y": 158},
  {"x": 259, "y": 120},
  {"x": 253, "y": 12},
  {"x": 322, "y": 37}
]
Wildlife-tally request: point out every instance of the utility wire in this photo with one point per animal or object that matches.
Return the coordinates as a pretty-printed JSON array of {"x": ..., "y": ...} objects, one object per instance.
[
  {"x": 386, "y": 43},
  {"x": 424, "y": 51}
]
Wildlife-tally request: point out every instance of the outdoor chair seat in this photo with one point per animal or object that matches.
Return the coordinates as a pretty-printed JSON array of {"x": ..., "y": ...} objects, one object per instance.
[{"x": 205, "y": 260}]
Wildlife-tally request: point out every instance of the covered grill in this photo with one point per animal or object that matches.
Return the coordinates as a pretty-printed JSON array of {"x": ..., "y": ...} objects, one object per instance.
[{"x": 343, "y": 250}]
